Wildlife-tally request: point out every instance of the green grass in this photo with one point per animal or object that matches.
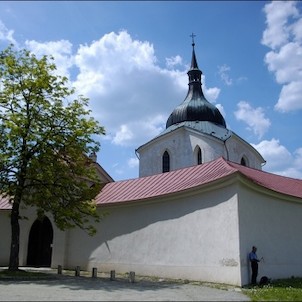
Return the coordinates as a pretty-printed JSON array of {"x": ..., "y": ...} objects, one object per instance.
[{"x": 277, "y": 290}]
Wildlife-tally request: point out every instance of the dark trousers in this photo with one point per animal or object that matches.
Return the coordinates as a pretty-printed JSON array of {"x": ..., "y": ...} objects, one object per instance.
[{"x": 254, "y": 265}]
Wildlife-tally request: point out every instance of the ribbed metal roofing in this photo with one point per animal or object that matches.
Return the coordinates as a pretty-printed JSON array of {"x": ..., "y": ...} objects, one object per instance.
[
  {"x": 274, "y": 182},
  {"x": 192, "y": 177},
  {"x": 164, "y": 183},
  {"x": 169, "y": 183}
]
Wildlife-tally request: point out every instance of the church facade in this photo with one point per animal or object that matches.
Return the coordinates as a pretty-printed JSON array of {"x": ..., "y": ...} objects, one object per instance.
[{"x": 200, "y": 203}]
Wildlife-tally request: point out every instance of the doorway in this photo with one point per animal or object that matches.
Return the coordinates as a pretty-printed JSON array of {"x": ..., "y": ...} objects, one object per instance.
[{"x": 40, "y": 243}]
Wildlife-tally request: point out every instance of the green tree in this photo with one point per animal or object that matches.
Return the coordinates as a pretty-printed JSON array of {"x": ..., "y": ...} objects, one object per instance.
[{"x": 45, "y": 138}]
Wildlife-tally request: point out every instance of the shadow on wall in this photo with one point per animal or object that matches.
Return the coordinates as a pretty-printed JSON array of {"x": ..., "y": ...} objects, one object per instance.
[{"x": 130, "y": 218}]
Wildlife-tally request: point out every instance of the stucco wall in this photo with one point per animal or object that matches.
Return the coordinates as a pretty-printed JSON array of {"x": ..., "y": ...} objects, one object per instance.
[
  {"x": 58, "y": 253},
  {"x": 181, "y": 145},
  {"x": 193, "y": 237},
  {"x": 274, "y": 226},
  {"x": 237, "y": 148}
]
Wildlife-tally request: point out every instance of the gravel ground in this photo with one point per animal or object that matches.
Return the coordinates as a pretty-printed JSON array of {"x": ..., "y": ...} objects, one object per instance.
[{"x": 67, "y": 287}]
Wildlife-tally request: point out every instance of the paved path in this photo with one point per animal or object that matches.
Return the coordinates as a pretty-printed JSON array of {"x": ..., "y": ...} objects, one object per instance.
[{"x": 70, "y": 288}]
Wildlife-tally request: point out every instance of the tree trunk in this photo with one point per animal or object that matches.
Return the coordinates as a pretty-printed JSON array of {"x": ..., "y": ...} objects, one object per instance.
[{"x": 15, "y": 239}]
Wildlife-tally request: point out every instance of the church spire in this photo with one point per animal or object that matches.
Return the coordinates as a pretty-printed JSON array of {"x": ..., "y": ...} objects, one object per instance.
[
  {"x": 195, "y": 106},
  {"x": 194, "y": 73},
  {"x": 193, "y": 61}
]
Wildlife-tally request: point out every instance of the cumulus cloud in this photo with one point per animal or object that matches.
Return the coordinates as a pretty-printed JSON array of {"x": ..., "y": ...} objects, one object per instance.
[
  {"x": 283, "y": 35},
  {"x": 130, "y": 94},
  {"x": 6, "y": 35},
  {"x": 60, "y": 50},
  {"x": 253, "y": 117},
  {"x": 279, "y": 159},
  {"x": 223, "y": 72},
  {"x": 173, "y": 61}
]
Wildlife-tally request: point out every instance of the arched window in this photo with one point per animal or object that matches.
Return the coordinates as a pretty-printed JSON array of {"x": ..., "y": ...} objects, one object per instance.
[
  {"x": 243, "y": 162},
  {"x": 199, "y": 157},
  {"x": 166, "y": 162}
]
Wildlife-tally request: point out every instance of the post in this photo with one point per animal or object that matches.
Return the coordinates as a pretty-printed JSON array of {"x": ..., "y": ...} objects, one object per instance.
[
  {"x": 94, "y": 272},
  {"x": 132, "y": 277},
  {"x": 77, "y": 271},
  {"x": 112, "y": 275},
  {"x": 59, "y": 269}
]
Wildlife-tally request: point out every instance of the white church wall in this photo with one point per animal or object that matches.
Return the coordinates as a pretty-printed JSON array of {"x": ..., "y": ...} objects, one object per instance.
[
  {"x": 273, "y": 225},
  {"x": 29, "y": 214},
  {"x": 193, "y": 237},
  {"x": 180, "y": 145},
  {"x": 237, "y": 148}
]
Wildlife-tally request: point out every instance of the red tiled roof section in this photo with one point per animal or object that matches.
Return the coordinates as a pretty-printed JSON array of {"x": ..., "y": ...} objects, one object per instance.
[
  {"x": 164, "y": 183},
  {"x": 277, "y": 183}
]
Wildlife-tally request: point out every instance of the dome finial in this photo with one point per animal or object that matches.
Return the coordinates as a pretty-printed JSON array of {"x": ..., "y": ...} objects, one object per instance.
[{"x": 192, "y": 36}]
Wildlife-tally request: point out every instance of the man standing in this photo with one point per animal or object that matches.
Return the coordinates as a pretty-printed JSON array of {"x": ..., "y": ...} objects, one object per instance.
[{"x": 254, "y": 264}]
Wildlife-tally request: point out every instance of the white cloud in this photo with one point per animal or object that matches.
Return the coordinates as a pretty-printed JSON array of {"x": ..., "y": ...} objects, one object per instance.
[
  {"x": 223, "y": 72},
  {"x": 173, "y": 61},
  {"x": 277, "y": 16},
  {"x": 133, "y": 162},
  {"x": 290, "y": 97},
  {"x": 279, "y": 159},
  {"x": 129, "y": 93},
  {"x": 253, "y": 117},
  {"x": 283, "y": 35},
  {"x": 60, "y": 50},
  {"x": 6, "y": 35},
  {"x": 211, "y": 94}
]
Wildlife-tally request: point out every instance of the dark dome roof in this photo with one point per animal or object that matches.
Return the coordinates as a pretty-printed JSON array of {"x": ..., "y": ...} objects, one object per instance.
[{"x": 195, "y": 107}]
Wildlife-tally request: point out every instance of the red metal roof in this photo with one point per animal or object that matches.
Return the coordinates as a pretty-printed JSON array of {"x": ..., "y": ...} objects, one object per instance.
[
  {"x": 274, "y": 182},
  {"x": 188, "y": 178}
]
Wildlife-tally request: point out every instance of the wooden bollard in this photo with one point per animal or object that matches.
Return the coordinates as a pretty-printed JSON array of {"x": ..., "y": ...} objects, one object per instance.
[
  {"x": 94, "y": 272},
  {"x": 77, "y": 271},
  {"x": 59, "y": 269},
  {"x": 132, "y": 277},
  {"x": 112, "y": 275}
]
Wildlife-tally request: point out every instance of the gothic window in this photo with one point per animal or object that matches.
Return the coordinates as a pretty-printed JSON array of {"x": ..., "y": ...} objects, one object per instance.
[
  {"x": 166, "y": 162},
  {"x": 199, "y": 157},
  {"x": 243, "y": 162}
]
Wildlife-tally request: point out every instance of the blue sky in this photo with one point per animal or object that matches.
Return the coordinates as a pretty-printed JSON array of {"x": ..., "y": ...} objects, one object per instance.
[{"x": 130, "y": 59}]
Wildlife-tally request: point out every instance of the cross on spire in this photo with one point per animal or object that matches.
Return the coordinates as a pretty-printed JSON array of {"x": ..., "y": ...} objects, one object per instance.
[{"x": 192, "y": 36}]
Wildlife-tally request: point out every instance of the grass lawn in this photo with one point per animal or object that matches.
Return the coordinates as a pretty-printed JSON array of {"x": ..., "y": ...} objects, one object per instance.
[{"x": 277, "y": 290}]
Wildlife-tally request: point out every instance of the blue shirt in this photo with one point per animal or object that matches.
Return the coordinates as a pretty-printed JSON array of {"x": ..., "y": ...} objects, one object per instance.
[{"x": 253, "y": 256}]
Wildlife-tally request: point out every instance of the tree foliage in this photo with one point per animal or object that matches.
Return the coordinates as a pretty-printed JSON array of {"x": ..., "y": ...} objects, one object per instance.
[{"x": 45, "y": 137}]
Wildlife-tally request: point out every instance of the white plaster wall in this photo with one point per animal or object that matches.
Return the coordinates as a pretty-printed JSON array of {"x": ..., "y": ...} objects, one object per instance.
[
  {"x": 237, "y": 149},
  {"x": 59, "y": 238},
  {"x": 274, "y": 226},
  {"x": 181, "y": 144},
  {"x": 193, "y": 237}
]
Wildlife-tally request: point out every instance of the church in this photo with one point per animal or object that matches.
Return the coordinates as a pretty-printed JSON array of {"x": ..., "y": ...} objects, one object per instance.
[{"x": 200, "y": 203}]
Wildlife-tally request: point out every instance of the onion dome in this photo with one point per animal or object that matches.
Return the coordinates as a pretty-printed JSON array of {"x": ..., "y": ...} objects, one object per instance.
[{"x": 195, "y": 107}]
